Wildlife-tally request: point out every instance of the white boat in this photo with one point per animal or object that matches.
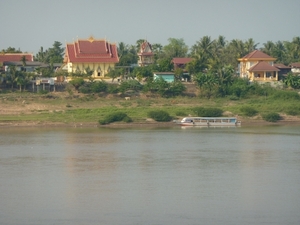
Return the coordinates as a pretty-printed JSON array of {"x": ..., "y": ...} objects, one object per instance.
[{"x": 209, "y": 121}]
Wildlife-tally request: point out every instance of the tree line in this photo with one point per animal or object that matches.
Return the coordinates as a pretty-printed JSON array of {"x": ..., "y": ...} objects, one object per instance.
[{"x": 213, "y": 66}]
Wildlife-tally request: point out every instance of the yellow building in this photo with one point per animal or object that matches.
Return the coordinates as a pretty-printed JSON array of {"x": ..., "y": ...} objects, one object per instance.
[
  {"x": 258, "y": 66},
  {"x": 98, "y": 56}
]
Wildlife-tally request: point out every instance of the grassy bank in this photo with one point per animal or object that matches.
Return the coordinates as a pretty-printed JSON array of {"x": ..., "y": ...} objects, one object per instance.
[{"x": 64, "y": 108}]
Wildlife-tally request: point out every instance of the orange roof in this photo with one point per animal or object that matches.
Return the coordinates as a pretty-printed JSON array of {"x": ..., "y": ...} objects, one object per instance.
[
  {"x": 92, "y": 51},
  {"x": 263, "y": 66},
  {"x": 255, "y": 55},
  {"x": 15, "y": 57},
  {"x": 181, "y": 60}
]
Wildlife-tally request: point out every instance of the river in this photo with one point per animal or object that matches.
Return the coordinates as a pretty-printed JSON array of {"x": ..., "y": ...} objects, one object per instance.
[{"x": 161, "y": 176}]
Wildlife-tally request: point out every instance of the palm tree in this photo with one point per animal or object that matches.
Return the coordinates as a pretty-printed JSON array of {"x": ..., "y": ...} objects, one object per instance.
[
  {"x": 250, "y": 45},
  {"x": 11, "y": 75},
  {"x": 268, "y": 48},
  {"x": 203, "y": 47},
  {"x": 23, "y": 60}
]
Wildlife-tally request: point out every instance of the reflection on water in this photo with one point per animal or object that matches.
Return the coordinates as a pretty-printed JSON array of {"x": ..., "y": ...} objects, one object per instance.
[{"x": 175, "y": 176}]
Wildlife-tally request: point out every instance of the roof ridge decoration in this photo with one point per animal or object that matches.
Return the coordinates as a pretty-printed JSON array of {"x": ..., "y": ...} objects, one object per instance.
[{"x": 91, "y": 39}]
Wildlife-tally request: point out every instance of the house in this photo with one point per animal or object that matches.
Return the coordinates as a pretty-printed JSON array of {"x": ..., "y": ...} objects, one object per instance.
[
  {"x": 145, "y": 54},
  {"x": 167, "y": 76},
  {"x": 180, "y": 63},
  {"x": 295, "y": 68},
  {"x": 14, "y": 58},
  {"x": 283, "y": 70},
  {"x": 99, "y": 56},
  {"x": 258, "y": 66}
]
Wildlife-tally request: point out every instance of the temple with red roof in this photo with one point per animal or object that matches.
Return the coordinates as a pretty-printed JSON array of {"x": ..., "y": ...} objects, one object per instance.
[
  {"x": 258, "y": 66},
  {"x": 145, "y": 54},
  {"x": 100, "y": 56}
]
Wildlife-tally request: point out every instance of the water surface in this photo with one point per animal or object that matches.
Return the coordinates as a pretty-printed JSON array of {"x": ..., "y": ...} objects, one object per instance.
[{"x": 244, "y": 175}]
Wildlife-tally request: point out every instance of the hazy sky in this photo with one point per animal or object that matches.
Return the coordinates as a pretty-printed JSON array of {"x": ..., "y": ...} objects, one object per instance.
[{"x": 30, "y": 24}]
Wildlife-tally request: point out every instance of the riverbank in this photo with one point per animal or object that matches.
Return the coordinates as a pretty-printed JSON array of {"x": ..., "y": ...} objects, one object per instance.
[{"x": 64, "y": 110}]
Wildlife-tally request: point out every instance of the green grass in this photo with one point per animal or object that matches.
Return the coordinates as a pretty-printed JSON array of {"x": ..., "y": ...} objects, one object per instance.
[{"x": 67, "y": 109}]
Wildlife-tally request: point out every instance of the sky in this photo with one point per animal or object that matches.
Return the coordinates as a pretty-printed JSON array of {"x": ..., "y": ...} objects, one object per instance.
[{"x": 29, "y": 25}]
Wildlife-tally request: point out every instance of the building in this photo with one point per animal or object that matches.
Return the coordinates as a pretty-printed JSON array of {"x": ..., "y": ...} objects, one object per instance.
[
  {"x": 180, "y": 63},
  {"x": 99, "y": 56},
  {"x": 14, "y": 58},
  {"x": 145, "y": 54},
  {"x": 283, "y": 70},
  {"x": 258, "y": 66},
  {"x": 295, "y": 68},
  {"x": 166, "y": 76}
]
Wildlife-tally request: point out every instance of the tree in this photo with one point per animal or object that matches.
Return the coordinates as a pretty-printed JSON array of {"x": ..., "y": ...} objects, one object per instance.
[
  {"x": 113, "y": 74},
  {"x": 206, "y": 82},
  {"x": 52, "y": 55},
  {"x": 12, "y": 75},
  {"x": 175, "y": 48},
  {"x": 11, "y": 50}
]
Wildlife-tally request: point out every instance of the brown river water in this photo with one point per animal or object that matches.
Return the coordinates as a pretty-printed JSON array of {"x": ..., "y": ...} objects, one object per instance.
[{"x": 160, "y": 176}]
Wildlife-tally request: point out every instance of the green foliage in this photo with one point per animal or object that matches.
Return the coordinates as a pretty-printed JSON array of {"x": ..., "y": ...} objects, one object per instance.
[
  {"x": 293, "y": 110},
  {"x": 93, "y": 87},
  {"x": 271, "y": 117},
  {"x": 248, "y": 111},
  {"x": 159, "y": 115},
  {"x": 181, "y": 113},
  {"x": 285, "y": 95},
  {"x": 133, "y": 85},
  {"x": 175, "y": 48},
  {"x": 77, "y": 82},
  {"x": 112, "y": 88},
  {"x": 115, "y": 117},
  {"x": 208, "y": 112}
]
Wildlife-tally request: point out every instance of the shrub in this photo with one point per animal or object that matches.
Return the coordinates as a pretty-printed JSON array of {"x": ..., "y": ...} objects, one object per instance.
[
  {"x": 98, "y": 86},
  {"x": 293, "y": 111},
  {"x": 208, "y": 112},
  {"x": 114, "y": 117},
  {"x": 271, "y": 117},
  {"x": 159, "y": 115},
  {"x": 248, "y": 111}
]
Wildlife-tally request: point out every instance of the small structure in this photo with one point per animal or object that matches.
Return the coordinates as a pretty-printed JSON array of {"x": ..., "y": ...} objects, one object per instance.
[
  {"x": 166, "y": 76},
  {"x": 258, "y": 66},
  {"x": 295, "y": 68},
  {"x": 99, "y": 56},
  {"x": 145, "y": 54},
  {"x": 283, "y": 70},
  {"x": 180, "y": 63},
  {"x": 14, "y": 58}
]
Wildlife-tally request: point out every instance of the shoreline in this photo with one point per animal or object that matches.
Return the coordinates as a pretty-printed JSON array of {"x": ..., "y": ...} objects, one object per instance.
[{"x": 246, "y": 122}]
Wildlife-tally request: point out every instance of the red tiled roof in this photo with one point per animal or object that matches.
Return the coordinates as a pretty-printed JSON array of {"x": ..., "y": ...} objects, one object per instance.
[
  {"x": 15, "y": 57},
  {"x": 181, "y": 60},
  {"x": 256, "y": 54},
  {"x": 295, "y": 65},
  {"x": 92, "y": 51},
  {"x": 263, "y": 66}
]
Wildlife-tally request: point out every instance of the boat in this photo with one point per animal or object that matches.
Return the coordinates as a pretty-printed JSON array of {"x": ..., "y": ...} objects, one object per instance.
[{"x": 209, "y": 121}]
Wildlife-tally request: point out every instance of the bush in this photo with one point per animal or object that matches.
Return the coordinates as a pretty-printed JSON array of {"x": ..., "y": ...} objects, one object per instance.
[
  {"x": 248, "y": 111},
  {"x": 160, "y": 116},
  {"x": 271, "y": 117},
  {"x": 208, "y": 112},
  {"x": 114, "y": 117},
  {"x": 98, "y": 86}
]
